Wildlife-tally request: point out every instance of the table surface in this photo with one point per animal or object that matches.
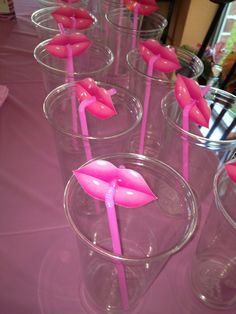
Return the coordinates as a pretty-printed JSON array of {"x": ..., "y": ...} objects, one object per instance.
[{"x": 38, "y": 253}]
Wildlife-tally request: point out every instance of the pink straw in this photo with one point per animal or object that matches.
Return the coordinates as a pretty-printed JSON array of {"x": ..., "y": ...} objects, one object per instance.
[
  {"x": 118, "y": 40},
  {"x": 185, "y": 125},
  {"x": 70, "y": 78},
  {"x": 84, "y": 126},
  {"x": 135, "y": 26},
  {"x": 114, "y": 230},
  {"x": 83, "y": 121},
  {"x": 147, "y": 94}
]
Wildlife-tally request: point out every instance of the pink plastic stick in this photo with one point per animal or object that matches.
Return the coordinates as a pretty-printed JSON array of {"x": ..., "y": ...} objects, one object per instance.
[
  {"x": 70, "y": 78},
  {"x": 185, "y": 125},
  {"x": 74, "y": 22},
  {"x": 118, "y": 49},
  {"x": 83, "y": 121},
  {"x": 61, "y": 28},
  {"x": 70, "y": 65},
  {"x": 146, "y": 102},
  {"x": 84, "y": 126},
  {"x": 115, "y": 236},
  {"x": 135, "y": 26}
]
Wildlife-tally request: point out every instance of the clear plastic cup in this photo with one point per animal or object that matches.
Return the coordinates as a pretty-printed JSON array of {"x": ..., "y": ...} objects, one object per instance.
[
  {"x": 104, "y": 136},
  {"x": 46, "y": 26},
  {"x": 213, "y": 272},
  {"x": 149, "y": 235},
  {"x": 161, "y": 84},
  {"x": 120, "y": 36},
  {"x": 208, "y": 148},
  {"x": 94, "y": 63}
]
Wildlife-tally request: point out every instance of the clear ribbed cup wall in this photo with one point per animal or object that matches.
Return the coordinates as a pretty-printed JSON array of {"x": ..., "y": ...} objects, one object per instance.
[{"x": 213, "y": 272}]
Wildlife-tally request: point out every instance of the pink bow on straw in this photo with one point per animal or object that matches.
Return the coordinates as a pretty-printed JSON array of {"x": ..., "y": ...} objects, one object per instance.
[
  {"x": 167, "y": 60},
  {"x": 58, "y": 46},
  {"x": 143, "y": 7},
  {"x": 102, "y": 107},
  {"x": 73, "y": 18},
  {"x": 131, "y": 189},
  {"x": 189, "y": 93},
  {"x": 231, "y": 170}
]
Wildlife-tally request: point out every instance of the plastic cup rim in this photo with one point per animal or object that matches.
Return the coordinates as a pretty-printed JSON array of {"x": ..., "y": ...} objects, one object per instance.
[
  {"x": 42, "y": 44},
  {"x": 130, "y": 30},
  {"x": 63, "y": 87},
  {"x": 56, "y": 30},
  {"x": 162, "y": 81}
]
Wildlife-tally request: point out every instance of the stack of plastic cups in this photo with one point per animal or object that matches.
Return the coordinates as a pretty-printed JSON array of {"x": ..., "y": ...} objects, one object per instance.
[
  {"x": 160, "y": 84},
  {"x": 121, "y": 37},
  {"x": 207, "y": 148}
]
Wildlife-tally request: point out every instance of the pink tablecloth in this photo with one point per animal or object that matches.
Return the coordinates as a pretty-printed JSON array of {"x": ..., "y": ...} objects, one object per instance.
[{"x": 38, "y": 254}]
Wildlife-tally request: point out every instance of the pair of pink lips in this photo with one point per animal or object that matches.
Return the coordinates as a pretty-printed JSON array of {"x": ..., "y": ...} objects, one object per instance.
[
  {"x": 231, "y": 170},
  {"x": 73, "y": 18},
  {"x": 131, "y": 189},
  {"x": 58, "y": 46},
  {"x": 187, "y": 93},
  {"x": 144, "y": 7},
  {"x": 167, "y": 60},
  {"x": 103, "y": 107}
]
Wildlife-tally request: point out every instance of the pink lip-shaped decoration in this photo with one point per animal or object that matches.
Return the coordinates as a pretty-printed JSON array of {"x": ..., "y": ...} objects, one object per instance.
[
  {"x": 58, "y": 45},
  {"x": 231, "y": 170},
  {"x": 73, "y": 18},
  {"x": 144, "y": 7},
  {"x": 167, "y": 61},
  {"x": 187, "y": 92},
  {"x": 131, "y": 189},
  {"x": 103, "y": 107}
]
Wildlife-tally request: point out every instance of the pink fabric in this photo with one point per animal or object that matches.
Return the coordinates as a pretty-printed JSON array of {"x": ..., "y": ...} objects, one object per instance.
[{"x": 38, "y": 252}]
